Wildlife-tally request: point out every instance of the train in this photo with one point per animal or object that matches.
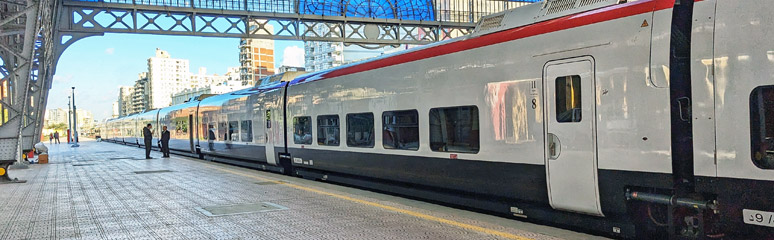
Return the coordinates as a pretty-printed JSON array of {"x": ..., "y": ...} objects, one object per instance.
[{"x": 649, "y": 119}]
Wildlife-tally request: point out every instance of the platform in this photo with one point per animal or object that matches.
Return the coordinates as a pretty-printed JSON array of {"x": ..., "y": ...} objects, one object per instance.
[{"x": 108, "y": 191}]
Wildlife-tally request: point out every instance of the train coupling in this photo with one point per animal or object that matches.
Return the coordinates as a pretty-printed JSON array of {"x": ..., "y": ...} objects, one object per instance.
[{"x": 672, "y": 200}]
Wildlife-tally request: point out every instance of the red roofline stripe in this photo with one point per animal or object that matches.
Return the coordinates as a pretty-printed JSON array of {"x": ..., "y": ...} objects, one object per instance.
[{"x": 563, "y": 23}]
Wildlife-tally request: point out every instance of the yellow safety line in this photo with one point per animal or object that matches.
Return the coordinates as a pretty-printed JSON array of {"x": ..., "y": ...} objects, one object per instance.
[{"x": 394, "y": 209}]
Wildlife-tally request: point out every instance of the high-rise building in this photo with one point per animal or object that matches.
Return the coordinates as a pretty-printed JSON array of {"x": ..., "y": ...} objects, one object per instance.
[
  {"x": 166, "y": 76},
  {"x": 125, "y": 94},
  {"x": 140, "y": 94},
  {"x": 256, "y": 57},
  {"x": 115, "y": 110}
]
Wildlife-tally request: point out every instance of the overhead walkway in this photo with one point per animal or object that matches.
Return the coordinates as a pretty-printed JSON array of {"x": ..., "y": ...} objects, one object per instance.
[{"x": 109, "y": 191}]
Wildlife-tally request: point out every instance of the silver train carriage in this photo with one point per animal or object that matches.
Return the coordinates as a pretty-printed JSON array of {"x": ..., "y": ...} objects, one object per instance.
[{"x": 646, "y": 119}]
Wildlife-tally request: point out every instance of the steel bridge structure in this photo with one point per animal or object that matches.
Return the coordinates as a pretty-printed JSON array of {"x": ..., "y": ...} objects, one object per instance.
[{"x": 35, "y": 33}]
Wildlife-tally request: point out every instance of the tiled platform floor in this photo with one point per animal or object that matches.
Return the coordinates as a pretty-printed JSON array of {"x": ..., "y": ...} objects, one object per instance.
[{"x": 93, "y": 192}]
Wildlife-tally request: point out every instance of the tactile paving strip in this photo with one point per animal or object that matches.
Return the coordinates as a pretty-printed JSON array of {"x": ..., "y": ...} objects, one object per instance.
[{"x": 107, "y": 200}]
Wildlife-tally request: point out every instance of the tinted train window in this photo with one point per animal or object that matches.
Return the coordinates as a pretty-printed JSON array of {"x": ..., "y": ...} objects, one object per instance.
[
  {"x": 400, "y": 130},
  {"x": 360, "y": 130},
  {"x": 247, "y": 131},
  {"x": 222, "y": 134},
  {"x": 762, "y": 126},
  {"x": 568, "y": 99},
  {"x": 211, "y": 132},
  {"x": 302, "y": 130},
  {"x": 454, "y": 129},
  {"x": 233, "y": 131},
  {"x": 328, "y": 130}
]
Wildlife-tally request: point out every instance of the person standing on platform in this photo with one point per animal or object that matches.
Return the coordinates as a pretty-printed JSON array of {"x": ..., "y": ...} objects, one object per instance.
[
  {"x": 56, "y": 137},
  {"x": 50, "y": 138},
  {"x": 148, "y": 137},
  {"x": 165, "y": 141}
]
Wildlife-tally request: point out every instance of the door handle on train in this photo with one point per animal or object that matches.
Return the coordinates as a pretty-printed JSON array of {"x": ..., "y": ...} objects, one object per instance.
[{"x": 554, "y": 147}]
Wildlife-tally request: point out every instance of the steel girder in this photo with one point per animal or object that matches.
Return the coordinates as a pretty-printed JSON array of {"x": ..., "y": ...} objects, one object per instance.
[
  {"x": 26, "y": 49},
  {"x": 100, "y": 17}
]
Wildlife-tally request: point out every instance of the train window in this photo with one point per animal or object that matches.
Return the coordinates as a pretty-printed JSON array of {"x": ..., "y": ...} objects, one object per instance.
[
  {"x": 328, "y": 130},
  {"x": 454, "y": 129},
  {"x": 360, "y": 130},
  {"x": 400, "y": 130},
  {"x": 568, "y": 99},
  {"x": 247, "y": 131},
  {"x": 762, "y": 126},
  {"x": 233, "y": 131},
  {"x": 211, "y": 132},
  {"x": 302, "y": 130},
  {"x": 183, "y": 125}
]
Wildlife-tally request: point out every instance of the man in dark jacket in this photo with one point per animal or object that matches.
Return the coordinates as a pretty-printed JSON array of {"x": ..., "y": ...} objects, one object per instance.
[
  {"x": 148, "y": 137},
  {"x": 165, "y": 141}
]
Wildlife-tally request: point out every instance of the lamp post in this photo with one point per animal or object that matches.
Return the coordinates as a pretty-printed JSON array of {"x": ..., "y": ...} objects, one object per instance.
[
  {"x": 69, "y": 122},
  {"x": 75, "y": 122}
]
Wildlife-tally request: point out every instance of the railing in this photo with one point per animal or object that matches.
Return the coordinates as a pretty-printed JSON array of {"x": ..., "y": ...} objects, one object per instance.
[{"x": 432, "y": 10}]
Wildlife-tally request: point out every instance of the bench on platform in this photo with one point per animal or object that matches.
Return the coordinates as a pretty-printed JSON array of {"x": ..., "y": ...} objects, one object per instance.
[{"x": 4, "y": 164}]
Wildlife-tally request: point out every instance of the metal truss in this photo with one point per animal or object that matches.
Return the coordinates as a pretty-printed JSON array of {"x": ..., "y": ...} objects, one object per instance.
[
  {"x": 100, "y": 17},
  {"x": 26, "y": 64}
]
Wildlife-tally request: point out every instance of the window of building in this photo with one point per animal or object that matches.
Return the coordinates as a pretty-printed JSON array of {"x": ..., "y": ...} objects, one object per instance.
[
  {"x": 328, "y": 130},
  {"x": 360, "y": 130},
  {"x": 762, "y": 126},
  {"x": 454, "y": 129},
  {"x": 302, "y": 130},
  {"x": 247, "y": 131},
  {"x": 233, "y": 131},
  {"x": 401, "y": 130},
  {"x": 568, "y": 99}
]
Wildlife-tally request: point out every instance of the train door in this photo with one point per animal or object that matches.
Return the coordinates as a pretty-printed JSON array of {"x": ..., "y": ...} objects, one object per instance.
[
  {"x": 571, "y": 152},
  {"x": 270, "y": 155},
  {"x": 191, "y": 132}
]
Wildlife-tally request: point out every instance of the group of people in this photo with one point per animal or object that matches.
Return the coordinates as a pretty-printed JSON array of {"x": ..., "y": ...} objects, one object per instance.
[
  {"x": 148, "y": 138},
  {"x": 53, "y": 136}
]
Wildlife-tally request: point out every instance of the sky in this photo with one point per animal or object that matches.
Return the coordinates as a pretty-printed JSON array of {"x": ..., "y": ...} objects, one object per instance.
[{"x": 96, "y": 66}]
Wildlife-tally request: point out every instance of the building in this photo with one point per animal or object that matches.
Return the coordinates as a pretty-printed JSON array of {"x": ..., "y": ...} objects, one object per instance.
[
  {"x": 140, "y": 94},
  {"x": 55, "y": 116},
  {"x": 168, "y": 82},
  {"x": 60, "y": 116},
  {"x": 125, "y": 94},
  {"x": 256, "y": 57},
  {"x": 115, "y": 110},
  {"x": 166, "y": 76},
  {"x": 85, "y": 119},
  {"x": 291, "y": 69}
]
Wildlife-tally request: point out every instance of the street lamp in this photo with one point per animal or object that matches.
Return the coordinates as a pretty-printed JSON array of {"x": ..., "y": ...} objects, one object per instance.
[
  {"x": 75, "y": 122},
  {"x": 69, "y": 122}
]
